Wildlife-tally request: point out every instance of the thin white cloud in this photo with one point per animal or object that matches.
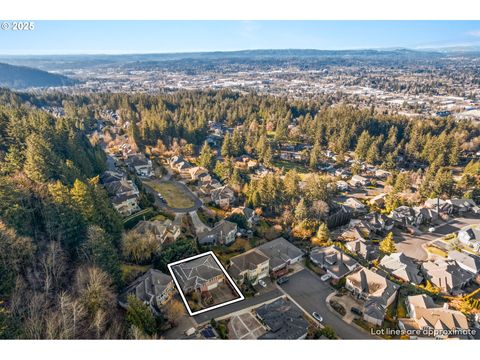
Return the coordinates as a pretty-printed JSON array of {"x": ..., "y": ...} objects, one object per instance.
[{"x": 475, "y": 33}]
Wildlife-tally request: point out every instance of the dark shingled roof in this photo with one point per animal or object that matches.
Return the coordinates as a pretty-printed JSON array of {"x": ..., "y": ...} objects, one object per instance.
[{"x": 284, "y": 320}]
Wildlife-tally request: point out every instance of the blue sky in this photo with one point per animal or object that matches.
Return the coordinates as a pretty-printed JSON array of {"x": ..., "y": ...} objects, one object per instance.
[{"x": 105, "y": 37}]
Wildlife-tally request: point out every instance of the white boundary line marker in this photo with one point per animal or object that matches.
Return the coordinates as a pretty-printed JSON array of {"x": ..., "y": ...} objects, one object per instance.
[{"x": 240, "y": 298}]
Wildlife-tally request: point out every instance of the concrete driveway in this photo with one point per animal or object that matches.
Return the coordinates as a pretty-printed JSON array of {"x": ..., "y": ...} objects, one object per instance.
[
  {"x": 200, "y": 227},
  {"x": 311, "y": 293}
]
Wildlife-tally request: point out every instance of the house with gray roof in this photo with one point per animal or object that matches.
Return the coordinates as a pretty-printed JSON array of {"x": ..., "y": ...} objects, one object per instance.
[
  {"x": 201, "y": 274},
  {"x": 402, "y": 267},
  {"x": 447, "y": 275},
  {"x": 165, "y": 231},
  {"x": 283, "y": 320},
  {"x": 377, "y": 291},
  {"x": 333, "y": 261},
  {"x": 223, "y": 233},
  {"x": 140, "y": 164},
  {"x": 470, "y": 236},
  {"x": 467, "y": 262},
  {"x": 251, "y": 265},
  {"x": 281, "y": 253},
  {"x": 154, "y": 288}
]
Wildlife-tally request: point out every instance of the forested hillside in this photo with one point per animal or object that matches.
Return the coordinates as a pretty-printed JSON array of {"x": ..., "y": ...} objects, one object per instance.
[
  {"x": 19, "y": 77},
  {"x": 58, "y": 230}
]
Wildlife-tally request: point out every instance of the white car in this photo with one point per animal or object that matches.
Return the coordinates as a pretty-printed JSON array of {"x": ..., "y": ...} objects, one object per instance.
[
  {"x": 326, "y": 277},
  {"x": 317, "y": 316},
  {"x": 431, "y": 230},
  {"x": 262, "y": 283}
]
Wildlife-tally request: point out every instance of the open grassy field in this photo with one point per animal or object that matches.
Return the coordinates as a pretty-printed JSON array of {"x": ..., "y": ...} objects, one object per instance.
[{"x": 173, "y": 194}]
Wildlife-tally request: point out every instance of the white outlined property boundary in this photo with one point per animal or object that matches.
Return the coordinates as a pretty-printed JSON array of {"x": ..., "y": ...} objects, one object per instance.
[{"x": 232, "y": 283}]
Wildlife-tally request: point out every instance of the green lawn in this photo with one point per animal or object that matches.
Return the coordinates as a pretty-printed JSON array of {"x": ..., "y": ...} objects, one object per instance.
[
  {"x": 173, "y": 194},
  {"x": 436, "y": 251}
]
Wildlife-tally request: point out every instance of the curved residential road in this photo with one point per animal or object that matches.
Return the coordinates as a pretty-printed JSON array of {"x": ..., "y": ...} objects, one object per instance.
[{"x": 162, "y": 205}]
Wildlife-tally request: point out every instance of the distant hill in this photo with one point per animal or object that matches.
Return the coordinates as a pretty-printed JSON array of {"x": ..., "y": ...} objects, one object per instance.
[{"x": 21, "y": 77}]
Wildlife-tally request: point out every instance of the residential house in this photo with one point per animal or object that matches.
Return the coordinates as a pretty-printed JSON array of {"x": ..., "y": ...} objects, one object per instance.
[
  {"x": 467, "y": 262},
  {"x": 283, "y": 320},
  {"x": 223, "y": 233},
  {"x": 462, "y": 206},
  {"x": 358, "y": 181},
  {"x": 179, "y": 164},
  {"x": 426, "y": 216},
  {"x": 470, "y": 236},
  {"x": 248, "y": 213},
  {"x": 251, "y": 265},
  {"x": 126, "y": 205},
  {"x": 382, "y": 174},
  {"x": 196, "y": 171},
  {"x": 164, "y": 231},
  {"x": 378, "y": 200},
  {"x": 441, "y": 206},
  {"x": 333, "y": 261},
  {"x": 282, "y": 254},
  {"x": 378, "y": 223},
  {"x": 430, "y": 319},
  {"x": 154, "y": 288},
  {"x": 121, "y": 187},
  {"x": 404, "y": 216},
  {"x": 447, "y": 275},
  {"x": 342, "y": 185},
  {"x": 402, "y": 267},
  {"x": 223, "y": 196},
  {"x": 358, "y": 244},
  {"x": 201, "y": 274},
  {"x": 377, "y": 291},
  {"x": 140, "y": 164},
  {"x": 112, "y": 176},
  {"x": 356, "y": 206}
]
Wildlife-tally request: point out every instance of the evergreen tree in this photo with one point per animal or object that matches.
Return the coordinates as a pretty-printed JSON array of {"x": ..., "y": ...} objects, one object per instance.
[
  {"x": 301, "y": 211},
  {"x": 139, "y": 315},
  {"x": 206, "y": 158},
  {"x": 101, "y": 252},
  {"x": 41, "y": 163},
  {"x": 387, "y": 245},
  {"x": 226, "y": 150},
  {"x": 323, "y": 235}
]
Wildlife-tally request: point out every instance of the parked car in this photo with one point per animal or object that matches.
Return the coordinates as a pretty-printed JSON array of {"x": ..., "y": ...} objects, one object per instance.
[
  {"x": 431, "y": 229},
  {"x": 326, "y": 277},
  {"x": 282, "y": 280},
  {"x": 317, "y": 316},
  {"x": 262, "y": 283},
  {"x": 356, "y": 311},
  {"x": 190, "y": 331}
]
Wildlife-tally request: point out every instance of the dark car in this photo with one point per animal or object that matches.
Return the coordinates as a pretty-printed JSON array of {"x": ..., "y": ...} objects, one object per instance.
[
  {"x": 282, "y": 280},
  {"x": 356, "y": 311}
]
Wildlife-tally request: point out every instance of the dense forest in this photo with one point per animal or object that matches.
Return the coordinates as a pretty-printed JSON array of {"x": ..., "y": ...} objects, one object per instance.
[{"x": 60, "y": 236}]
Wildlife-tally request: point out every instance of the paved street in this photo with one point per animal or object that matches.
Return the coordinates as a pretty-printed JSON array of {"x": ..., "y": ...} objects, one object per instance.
[
  {"x": 310, "y": 293},
  {"x": 411, "y": 245},
  {"x": 241, "y": 305}
]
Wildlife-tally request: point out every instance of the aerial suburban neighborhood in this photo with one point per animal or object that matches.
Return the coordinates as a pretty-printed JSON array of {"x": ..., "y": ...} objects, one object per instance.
[{"x": 266, "y": 194}]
